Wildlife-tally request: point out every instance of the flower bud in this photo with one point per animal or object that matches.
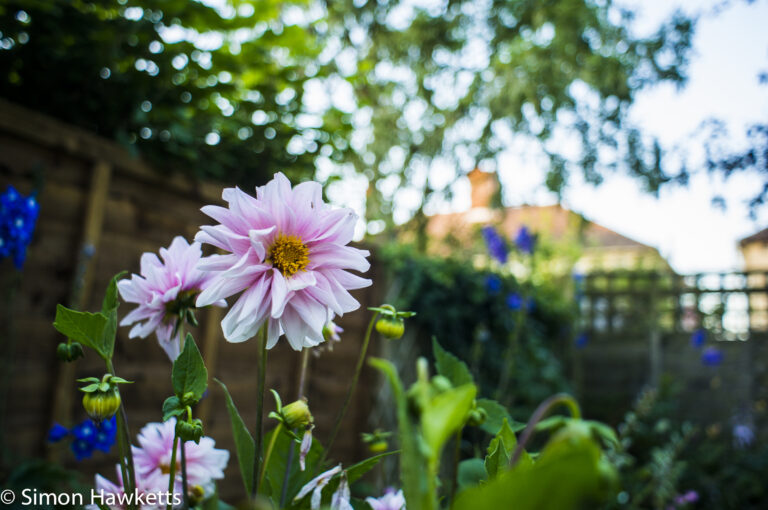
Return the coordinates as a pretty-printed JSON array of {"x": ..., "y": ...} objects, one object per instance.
[
  {"x": 477, "y": 417},
  {"x": 390, "y": 327},
  {"x": 441, "y": 384},
  {"x": 296, "y": 414},
  {"x": 69, "y": 351},
  {"x": 190, "y": 430},
  {"x": 196, "y": 495},
  {"x": 101, "y": 405},
  {"x": 379, "y": 446}
]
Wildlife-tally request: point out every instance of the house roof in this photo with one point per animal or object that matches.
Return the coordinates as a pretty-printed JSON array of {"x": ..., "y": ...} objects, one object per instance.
[{"x": 760, "y": 237}]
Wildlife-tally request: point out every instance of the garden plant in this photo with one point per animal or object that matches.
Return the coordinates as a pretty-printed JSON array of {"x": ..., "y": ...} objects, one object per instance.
[{"x": 284, "y": 267}]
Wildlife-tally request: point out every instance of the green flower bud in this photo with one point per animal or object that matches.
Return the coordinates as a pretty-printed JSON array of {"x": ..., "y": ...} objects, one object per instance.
[
  {"x": 296, "y": 414},
  {"x": 196, "y": 495},
  {"x": 69, "y": 351},
  {"x": 101, "y": 405},
  {"x": 477, "y": 417},
  {"x": 441, "y": 384},
  {"x": 378, "y": 447},
  {"x": 190, "y": 430},
  {"x": 62, "y": 352},
  {"x": 390, "y": 327}
]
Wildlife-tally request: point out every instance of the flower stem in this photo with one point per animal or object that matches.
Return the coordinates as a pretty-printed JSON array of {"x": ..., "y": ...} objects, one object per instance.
[
  {"x": 351, "y": 389},
  {"x": 257, "y": 459},
  {"x": 172, "y": 472},
  {"x": 456, "y": 458},
  {"x": 126, "y": 455},
  {"x": 544, "y": 409},
  {"x": 292, "y": 450},
  {"x": 268, "y": 454},
  {"x": 184, "y": 489}
]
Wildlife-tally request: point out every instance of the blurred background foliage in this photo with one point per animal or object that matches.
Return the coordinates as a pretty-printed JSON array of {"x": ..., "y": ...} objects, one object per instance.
[{"x": 217, "y": 89}]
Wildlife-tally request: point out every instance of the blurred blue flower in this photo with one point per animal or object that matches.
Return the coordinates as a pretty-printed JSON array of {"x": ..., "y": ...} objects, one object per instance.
[
  {"x": 582, "y": 340},
  {"x": 497, "y": 247},
  {"x": 87, "y": 436},
  {"x": 525, "y": 241},
  {"x": 743, "y": 435},
  {"x": 18, "y": 215},
  {"x": 698, "y": 338},
  {"x": 712, "y": 356},
  {"x": 493, "y": 284},
  {"x": 514, "y": 301},
  {"x": 57, "y": 433}
]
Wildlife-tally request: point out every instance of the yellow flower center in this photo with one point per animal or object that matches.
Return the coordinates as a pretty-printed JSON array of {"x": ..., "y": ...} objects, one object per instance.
[{"x": 289, "y": 255}]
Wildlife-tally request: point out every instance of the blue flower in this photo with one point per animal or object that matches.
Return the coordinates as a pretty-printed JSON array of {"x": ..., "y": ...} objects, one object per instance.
[
  {"x": 106, "y": 432},
  {"x": 497, "y": 247},
  {"x": 525, "y": 241},
  {"x": 57, "y": 433},
  {"x": 493, "y": 284},
  {"x": 581, "y": 341},
  {"x": 86, "y": 430},
  {"x": 712, "y": 356},
  {"x": 514, "y": 301},
  {"x": 698, "y": 338},
  {"x": 18, "y": 215},
  {"x": 82, "y": 448},
  {"x": 743, "y": 435}
]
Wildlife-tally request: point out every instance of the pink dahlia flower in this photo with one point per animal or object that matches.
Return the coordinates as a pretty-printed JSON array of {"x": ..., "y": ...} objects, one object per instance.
[
  {"x": 204, "y": 462},
  {"x": 288, "y": 255},
  {"x": 391, "y": 500},
  {"x": 162, "y": 291}
]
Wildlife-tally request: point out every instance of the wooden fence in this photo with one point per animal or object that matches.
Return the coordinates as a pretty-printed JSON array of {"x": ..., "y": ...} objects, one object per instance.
[
  {"x": 100, "y": 209},
  {"x": 640, "y": 327}
]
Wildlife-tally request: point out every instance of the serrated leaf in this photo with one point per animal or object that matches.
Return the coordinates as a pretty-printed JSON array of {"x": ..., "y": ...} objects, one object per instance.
[
  {"x": 84, "y": 327},
  {"x": 450, "y": 366},
  {"x": 496, "y": 414},
  {"x": 172, "y": 407},
  {"x": 500, "y": 450},
  {"x": 245, "y": 446},
  {"x": 189, "y": 373},
  {"x": 471, "y": 472}
]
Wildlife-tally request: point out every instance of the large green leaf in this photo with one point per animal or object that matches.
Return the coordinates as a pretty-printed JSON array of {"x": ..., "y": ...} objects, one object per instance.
[
  {"x": 189, "y": 373},
  {"x": 84, "y": 327},
  {"x": 450, "y": 366},
  {"x": 109, "y": 310},
  {"x": 445, "y": 414},
  {"x": 471, "y": 473},
  {"x": 496, "y": 414},
  {"x": 245, "y": 446},
  {"x": 278, "y": 462},
  {"x": 569, "y": 474}
]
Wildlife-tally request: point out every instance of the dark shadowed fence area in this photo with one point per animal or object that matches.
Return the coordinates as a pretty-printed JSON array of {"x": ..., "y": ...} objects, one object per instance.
[
  {"x": 100, "y": 209},
  {"x": 643, "y": 326}
]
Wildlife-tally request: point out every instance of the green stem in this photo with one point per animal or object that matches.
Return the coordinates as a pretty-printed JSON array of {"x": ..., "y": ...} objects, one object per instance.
[
  {"x": 456, "y": 458},
  {"x": 292, "y": 450},
  {"x": 351, "y": 389},
  {"x": 257, "y": 459},
  {"x": 172, "y": 472},
  {"x": 267, "y": 455},
  {"x": 543, "y": 410},
  {"x": 125, "y": 443},
  {"x": 184, "y": 489},
  {"x": 508, "y": 359}
]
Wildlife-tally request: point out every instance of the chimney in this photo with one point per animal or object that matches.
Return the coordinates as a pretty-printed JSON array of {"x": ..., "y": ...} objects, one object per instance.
[{"x": 484, "y": 186}]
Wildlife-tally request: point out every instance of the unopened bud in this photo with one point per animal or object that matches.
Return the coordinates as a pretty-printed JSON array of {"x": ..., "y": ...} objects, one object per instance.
[
  {"x": 296, "y": 414},
  {"x": 69, "y": 351},
  {"x": 190, "y": 430},
  {"x": 477, "y": 417},
  {"x": 390, "y": 327},
  {"x": 441, "y": 384},
  {"x": 101, "y": 405}
]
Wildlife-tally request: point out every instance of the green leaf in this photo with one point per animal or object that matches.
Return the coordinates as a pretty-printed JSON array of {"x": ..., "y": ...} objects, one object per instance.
[
  {"x": 90, "y": 388},
  {"x": 245, "y": 446},
  {"x": 189, "y": 372},
  {"x": 500, "y": 450},
  {"x": 356, "y": 471},
  {"x": 278, "y": 463},
  {"x": 570, "y": 474},
  {"x": 497, "y": 413},
  {"x": 111, "y": 301},
  {"x": 109, "y": 310},
  {"x": 445, "y": 414},
  {"x": 471, "y": 472},
  {"x": 172, "y": 407},
  {"x": 84, "y": 327},
  {"x": 450, "y": 366}
]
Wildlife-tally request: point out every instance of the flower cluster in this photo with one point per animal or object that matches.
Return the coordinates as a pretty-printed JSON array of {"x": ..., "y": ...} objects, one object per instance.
[
  {"x": 18, "y": 215},
  {"x": 86, "y": 436},
  {"x": 525, "y": 241},
  {"x": 497, "y": 246}
]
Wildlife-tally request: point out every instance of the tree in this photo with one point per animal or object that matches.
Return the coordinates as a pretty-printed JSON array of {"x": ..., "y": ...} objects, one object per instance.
[
  {"x": 214, "y": 92},
  {"x": 445, "y": 86}
]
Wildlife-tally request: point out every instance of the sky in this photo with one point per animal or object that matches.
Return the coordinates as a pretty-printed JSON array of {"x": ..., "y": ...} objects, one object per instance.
[{"x": 729, "y": 51}]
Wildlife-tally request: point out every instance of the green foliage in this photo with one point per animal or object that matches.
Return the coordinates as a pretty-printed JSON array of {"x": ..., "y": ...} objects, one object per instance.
[
  {"x": 245, "y": 446},
  {"x": 94, "y": 330},
  {"x": 500, "y": 450},
  {"x": 450, "y": 366},
  {"x": 213, "y": 91},
  {"x": 189, "y": 374},
  {"x": 454, "y": 306}
]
